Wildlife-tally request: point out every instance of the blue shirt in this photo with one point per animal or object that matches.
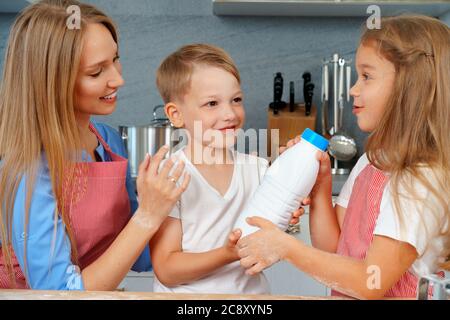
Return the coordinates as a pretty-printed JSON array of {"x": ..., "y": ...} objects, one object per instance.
[{"x": 49, "y": 266}]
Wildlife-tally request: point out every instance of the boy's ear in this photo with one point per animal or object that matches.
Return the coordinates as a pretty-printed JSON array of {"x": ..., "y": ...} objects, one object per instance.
[{"x": 174, "y": 114}]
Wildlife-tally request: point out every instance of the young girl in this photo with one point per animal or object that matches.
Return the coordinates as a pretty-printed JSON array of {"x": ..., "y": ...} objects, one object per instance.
[
  {"x": 390, "y": 225},
  {"x": 65, "y": 190}
]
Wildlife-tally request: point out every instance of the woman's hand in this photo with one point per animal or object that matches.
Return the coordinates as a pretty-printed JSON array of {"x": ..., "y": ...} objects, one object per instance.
[
  {"x": 263, "y": 248},
  {"x": 158, "y": 192}
]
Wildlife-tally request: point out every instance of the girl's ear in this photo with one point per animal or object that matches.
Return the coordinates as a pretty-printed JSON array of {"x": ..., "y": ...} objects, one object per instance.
[{"x": 174, "y": 114}]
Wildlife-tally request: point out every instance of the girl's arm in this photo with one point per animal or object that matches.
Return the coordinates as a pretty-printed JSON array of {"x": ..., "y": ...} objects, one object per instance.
[
  {"x": 174, "y": 267},
  {"x": 386, "y": 261},
  {"x": 323, "y": 217}
]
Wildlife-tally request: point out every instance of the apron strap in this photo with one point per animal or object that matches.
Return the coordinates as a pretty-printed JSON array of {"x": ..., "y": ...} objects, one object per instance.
[{"x": 100, "y": 138}]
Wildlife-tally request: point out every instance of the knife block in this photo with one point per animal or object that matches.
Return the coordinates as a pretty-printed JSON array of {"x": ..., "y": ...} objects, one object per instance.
[{"x": 289, "y": 124}]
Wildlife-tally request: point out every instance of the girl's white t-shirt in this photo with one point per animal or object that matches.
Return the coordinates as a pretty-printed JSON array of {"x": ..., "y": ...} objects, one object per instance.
[
  {"x": 420, "y": 227},
  {"x": 207, "y": 218}
]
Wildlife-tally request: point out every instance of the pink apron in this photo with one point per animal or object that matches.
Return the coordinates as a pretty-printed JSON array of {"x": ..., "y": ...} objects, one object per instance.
[
  {"x": 97, "y": 217},
  {"x": 359, "y": 223}
]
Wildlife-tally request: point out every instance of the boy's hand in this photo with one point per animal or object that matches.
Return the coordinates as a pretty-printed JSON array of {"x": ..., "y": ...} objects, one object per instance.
[
  {"x": 295, "y": 218},
  {"x": 233, "y": 239},
  {"x": 289, "y": 144}
]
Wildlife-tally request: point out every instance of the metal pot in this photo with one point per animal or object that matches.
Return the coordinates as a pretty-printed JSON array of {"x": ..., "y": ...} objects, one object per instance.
[{"x": 140, "y": 140}]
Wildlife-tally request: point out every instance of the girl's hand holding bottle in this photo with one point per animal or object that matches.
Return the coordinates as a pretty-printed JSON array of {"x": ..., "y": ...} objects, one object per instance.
[{"x": 323, "y": 183}]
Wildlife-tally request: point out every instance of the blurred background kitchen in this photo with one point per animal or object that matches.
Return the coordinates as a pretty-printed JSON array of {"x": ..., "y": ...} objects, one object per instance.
[{"x": 291, "y": 37}]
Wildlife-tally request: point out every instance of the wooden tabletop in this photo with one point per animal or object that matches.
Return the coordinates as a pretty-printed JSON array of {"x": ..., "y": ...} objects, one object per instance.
[{"x": 7, "y": 294}]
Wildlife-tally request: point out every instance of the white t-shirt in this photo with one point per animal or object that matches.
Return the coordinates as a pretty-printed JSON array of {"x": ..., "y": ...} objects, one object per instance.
[
  {"x": 422, "y": 229},
  {"x": 207, "y": 218}
]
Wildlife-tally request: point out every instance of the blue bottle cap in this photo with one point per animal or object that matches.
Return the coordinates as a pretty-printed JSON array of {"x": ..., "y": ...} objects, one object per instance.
[{"x": 315, "y": 139}]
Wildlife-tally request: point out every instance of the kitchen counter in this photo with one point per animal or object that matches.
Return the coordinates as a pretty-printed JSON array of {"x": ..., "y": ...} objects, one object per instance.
[{"x": 6, "y": 294}]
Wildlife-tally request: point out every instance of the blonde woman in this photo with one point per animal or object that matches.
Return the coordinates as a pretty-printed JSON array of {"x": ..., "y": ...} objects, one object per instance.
[
  {"x": 391, "y": 223},
  {"x": 69, "y": 215}
]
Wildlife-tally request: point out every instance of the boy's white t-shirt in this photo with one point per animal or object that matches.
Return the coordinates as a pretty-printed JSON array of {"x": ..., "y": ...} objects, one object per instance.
[
  {"x": 420, "y": 227},
  {"x": 207, "y": 218}
]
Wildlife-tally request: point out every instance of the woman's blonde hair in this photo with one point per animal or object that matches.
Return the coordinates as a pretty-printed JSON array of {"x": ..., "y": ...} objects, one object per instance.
[
  {"x": 37, "y": 118},
  {"x": 413, "y": 133},
  {"x": 173, "y": 77}
]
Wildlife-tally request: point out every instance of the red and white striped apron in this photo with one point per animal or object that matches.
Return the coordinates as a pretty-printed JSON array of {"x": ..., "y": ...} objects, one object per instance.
[
  {"x": 97, "y": 217},
  {"x": 359, "y": 223}
]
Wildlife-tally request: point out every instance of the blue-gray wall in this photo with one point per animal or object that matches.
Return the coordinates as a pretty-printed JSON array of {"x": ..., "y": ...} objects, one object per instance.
[{"x": 260, "y": 46}]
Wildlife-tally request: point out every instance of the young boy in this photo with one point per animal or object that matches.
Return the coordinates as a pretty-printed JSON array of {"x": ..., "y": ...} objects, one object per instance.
[{"x": 194, "y": 249}]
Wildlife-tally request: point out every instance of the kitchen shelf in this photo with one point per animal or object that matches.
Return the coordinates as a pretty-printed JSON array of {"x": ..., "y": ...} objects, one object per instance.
[{"x": 322, "y": 8}]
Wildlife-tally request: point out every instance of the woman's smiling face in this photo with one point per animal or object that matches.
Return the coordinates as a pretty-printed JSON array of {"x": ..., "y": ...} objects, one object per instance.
[{"x": 99, "y": 75}]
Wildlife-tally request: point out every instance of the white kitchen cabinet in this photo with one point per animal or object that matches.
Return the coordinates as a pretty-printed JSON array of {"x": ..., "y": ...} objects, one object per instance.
[{"x": 138, "y": 282}]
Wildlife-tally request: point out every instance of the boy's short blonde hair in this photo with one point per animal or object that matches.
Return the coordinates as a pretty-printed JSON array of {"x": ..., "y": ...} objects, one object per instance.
[{"x": 173, "y": 77}]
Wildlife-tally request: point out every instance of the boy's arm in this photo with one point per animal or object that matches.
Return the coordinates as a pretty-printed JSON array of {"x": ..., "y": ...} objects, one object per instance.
[{"x": 174, "y": 267}]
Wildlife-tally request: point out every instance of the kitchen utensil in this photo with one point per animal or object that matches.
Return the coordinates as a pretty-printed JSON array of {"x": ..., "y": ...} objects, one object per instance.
[
  {"x": 335, "y": 93},
  {"x": 349, "y": 82},
  {"x": 341, "y": 63},
  {"x": 441, "y": 288},
  {"x": 140, "y": 140},
  {"x": 324, "y": 100},
  {"x": 277, "y": 93},
  {"x": 291, "y": 96},
  {"x": 308, "y": 92},
  {"x": 342, "y": 146}
]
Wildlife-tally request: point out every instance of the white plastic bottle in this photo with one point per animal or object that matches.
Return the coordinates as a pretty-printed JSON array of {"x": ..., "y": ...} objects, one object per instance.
[{"x": 286, "y": 183}]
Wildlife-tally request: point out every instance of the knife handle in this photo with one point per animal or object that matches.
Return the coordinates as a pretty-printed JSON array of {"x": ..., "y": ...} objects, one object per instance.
[
  {"x": 291, "y": 96},
  {"x": 325, "y": 83}
]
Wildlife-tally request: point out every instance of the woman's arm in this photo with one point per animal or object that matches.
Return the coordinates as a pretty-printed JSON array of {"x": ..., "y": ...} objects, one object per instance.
[
  {"x": 157, "y": 195},
  {"x": 174, "y": 267},
  {"x": 386, "y": 261}
]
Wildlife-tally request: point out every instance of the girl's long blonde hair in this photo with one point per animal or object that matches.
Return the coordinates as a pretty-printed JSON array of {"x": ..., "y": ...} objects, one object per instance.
[
  {"x": 413, "y": 133},
  {"x": 37, "y": 117}
]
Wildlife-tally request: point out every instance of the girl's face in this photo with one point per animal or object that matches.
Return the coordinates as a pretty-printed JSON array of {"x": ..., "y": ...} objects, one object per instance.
[
  {"x": 100, "y": 74},
  {"x": 373, "y": 87}
]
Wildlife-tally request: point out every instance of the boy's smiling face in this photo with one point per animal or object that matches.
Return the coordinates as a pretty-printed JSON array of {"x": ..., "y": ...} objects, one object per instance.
[{"x": 214, "y": 102}]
